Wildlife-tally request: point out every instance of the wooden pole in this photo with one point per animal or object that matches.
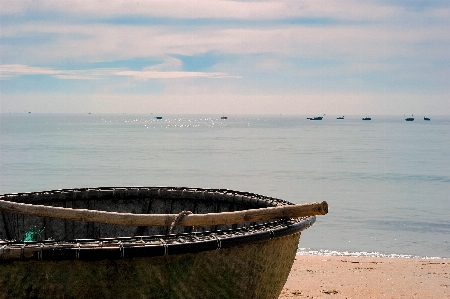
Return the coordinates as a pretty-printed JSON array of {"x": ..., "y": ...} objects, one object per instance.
[{"x": 129, "y": 219}]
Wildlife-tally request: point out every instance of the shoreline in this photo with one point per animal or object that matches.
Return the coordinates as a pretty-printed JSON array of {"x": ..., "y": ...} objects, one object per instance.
[
  {"x": 325, "y": 252},
  {"x": 344, "y": 276}
]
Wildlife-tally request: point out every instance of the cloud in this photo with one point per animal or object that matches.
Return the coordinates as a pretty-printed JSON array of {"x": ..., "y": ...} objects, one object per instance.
[
  {"x": 170, "y": 75},
  {"x": 276, "y": 47},
  {"x": 14, "y": 70},
  {"x": 8, "y": 71},
  {"x": 165, "y": 8},
  {"x": 210, "y": 9},
  {"x": 100, "y": 42},
  {"x": 169, "y": 64}
]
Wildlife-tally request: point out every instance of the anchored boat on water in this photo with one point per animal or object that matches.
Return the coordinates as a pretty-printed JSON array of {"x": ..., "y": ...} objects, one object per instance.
[{"x": 153, "y": 242}]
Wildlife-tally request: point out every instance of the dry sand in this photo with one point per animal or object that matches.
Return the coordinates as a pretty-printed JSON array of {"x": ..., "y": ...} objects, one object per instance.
[{"x": 336, "y": 277}]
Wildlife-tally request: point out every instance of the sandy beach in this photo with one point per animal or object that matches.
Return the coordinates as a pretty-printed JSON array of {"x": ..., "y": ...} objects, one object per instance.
[{"x": 367, "y": 277}]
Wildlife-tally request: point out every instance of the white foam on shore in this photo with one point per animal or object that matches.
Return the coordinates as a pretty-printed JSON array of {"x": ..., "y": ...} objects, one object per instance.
[{"x": 324, "y": 252}]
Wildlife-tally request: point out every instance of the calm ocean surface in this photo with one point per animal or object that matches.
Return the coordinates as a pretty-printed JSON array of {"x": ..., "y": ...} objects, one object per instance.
[{"x": 387, "y": 181}]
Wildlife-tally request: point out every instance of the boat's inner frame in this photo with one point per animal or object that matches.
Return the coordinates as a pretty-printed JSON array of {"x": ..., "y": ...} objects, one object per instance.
[{"x": 53, "y": 238}]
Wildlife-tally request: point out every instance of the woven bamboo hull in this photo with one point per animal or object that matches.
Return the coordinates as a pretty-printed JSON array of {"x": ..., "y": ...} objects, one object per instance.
[
  {"x": 256, "y": 270},
  {"x": 246, "y": 260}
]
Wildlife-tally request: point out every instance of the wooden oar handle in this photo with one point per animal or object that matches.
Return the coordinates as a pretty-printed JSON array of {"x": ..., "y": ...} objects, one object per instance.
[
  {"x": 254, "y": 215},
  {"x": 129, "y": 219}
]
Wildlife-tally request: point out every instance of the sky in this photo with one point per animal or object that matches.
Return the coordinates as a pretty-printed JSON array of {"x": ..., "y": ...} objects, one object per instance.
[{"x": 292, "y": 57}]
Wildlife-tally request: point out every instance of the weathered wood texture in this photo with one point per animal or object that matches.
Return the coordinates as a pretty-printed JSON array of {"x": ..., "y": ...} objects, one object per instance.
[{"x": 130, "y": 219}]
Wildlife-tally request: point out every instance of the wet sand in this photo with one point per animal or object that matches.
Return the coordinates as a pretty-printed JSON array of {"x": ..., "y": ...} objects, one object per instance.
[{"x": 336, "y": 277}]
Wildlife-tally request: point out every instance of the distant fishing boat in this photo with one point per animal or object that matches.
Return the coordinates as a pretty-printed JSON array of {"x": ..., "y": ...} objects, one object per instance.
[
  {"x": 426, "y": 118},
  {"x": 315, "y": 118},
  {"x": 158, "y": 117},
  {"x": 367, "y": 118},
  {"x": 410, "y": 118},
  {"x": 340, "y": 117},
  {"x": 223, "y": 117}
]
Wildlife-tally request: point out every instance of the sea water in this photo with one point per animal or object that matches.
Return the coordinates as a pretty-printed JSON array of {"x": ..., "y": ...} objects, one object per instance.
[{"x": 387, "y": 181}]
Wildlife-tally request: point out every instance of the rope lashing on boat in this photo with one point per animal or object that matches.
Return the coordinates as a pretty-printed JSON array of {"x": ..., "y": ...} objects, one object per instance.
[
  {"x": 178, "y": 219},
  {"x": 219, "y": 243},
  {"x": 272, "y": 234},
  {"x": 122, "y": 250},
  {"x": 166, "y": 246},
  {"x": 77, "y": 251},
  {"x": 39, "y": 255}
]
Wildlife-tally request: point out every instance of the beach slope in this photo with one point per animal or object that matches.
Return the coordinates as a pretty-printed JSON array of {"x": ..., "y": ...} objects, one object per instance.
[{"x": 339, "y": 277}]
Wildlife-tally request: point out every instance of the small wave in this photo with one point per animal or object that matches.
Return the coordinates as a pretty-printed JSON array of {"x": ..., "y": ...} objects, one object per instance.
[{"x": 324, "y": 252}]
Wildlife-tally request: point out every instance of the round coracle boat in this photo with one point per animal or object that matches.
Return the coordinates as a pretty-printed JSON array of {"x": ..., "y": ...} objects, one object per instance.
[{"x": 148, "y": 242}]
